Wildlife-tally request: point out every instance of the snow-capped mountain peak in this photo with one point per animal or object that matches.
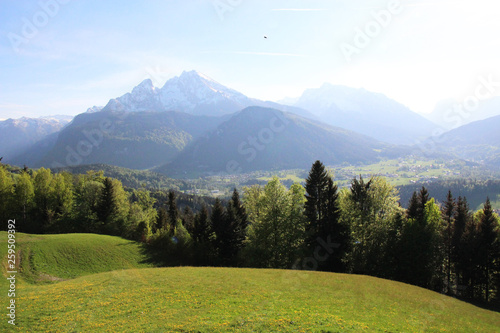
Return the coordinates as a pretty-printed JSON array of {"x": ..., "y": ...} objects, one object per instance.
[{"x": 191, "y": 92}]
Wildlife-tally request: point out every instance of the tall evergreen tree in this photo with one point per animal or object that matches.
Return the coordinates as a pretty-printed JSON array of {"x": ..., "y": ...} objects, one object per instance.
[
  {"x": 237, "y": 222},
  {"x": 488, "y": 237},
  {"x": 108, "y": 204},
  {"x": 462, "y": 218},
  {"x": 218, "y": 222},
  {"x": 316, "y": 199},
  {"x": 413, "y": 207},
  {"x": 202, "y": 229},
  {"x": 469, "y": 258},
  {"x": 113, "y": 208},
  {"x": 419, "y": 243},
  {"x": 188, "y": 219},
  {"x": 202, "y": 237},
  {"x": 323, "y": 219},
  {"x": 173, "y": 211},
  {"x": 448, "y": 214}
]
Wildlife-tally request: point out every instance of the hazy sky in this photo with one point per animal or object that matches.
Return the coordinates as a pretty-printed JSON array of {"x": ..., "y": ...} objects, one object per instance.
[{"x": 63, "y": 56}]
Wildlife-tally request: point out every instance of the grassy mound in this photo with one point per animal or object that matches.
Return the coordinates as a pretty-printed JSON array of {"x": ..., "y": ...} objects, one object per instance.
[
  {"x": 189, "y": 299},
  {"x": 49, "y": 258}
]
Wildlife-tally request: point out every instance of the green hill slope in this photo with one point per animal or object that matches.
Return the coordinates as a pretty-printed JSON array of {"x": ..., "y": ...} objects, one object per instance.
[
  {"x": 243, "y": 300},
  {"x": 187, "y": 299},
  {"x": 47, "y": 258}
]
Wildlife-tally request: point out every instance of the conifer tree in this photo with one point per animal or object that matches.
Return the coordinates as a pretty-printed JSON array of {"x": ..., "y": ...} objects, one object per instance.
[
  {"x": 488, "y": 237},
  {"x": 173, "y": 211},
  {"x": 218, "y": 222},
  {"x": 202, "y": 237},
  {"x": 462, "y": 218},
  {"x": 108, "y": 204},
  {"x": 323, "y": 218},
  {"x": 237, "y": 222},
  {"x": 202, "y": 229},
  {"x": 448, "y": 213},
  {"x": 188, "y": 219}
]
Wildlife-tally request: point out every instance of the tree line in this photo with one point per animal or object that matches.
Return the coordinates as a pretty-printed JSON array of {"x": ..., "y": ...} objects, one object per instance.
[{"x": 361, "y": 229}]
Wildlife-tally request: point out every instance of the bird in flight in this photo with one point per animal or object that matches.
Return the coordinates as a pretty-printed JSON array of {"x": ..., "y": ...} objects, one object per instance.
[{"x": 265, "y": 37}]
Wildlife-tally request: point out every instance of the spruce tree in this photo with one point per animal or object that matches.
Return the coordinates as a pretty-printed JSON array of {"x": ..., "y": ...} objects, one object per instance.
[
  {"x": 202, "y": 229},
  {"x": 448, "y": 213},
  {"x": 236, "y": 222},
  {"x": 218, "y": 221},
  {"x": 188, "y": 219},
  {"x": 323, "y": 219},
  {"x": 462, "y": 218},
  {"x": 316, "y": 198},
  {"x": 173, "y": 212},
  {"x": 202, "y": 237},
  {"x": 413, "y": 207},
  {"x": 488, "y": 235},
  {"x": 107, "y": 206}
]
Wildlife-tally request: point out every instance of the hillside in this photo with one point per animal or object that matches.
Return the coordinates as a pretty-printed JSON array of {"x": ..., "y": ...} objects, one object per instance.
[
  {"x": 267, "y": 139},
  {"x": 77, "y": 282},
  {"x": 188, "y": 299},
  {"x": 136, "y": 140},
  {"x": 479, "y": 141},
  {"x": 49, "y": 258}
]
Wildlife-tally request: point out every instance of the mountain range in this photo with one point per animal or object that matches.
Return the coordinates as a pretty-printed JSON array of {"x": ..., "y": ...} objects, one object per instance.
[
  {"x": 17, "y": 135},
  {"x": 369, "y": 113},
  {"x": 259, "y": 138},
  {"x": 195, "y": 125}
]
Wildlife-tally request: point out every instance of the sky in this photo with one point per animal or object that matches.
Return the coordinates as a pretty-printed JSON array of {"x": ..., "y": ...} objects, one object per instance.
[{"x": 64, "y": 56}]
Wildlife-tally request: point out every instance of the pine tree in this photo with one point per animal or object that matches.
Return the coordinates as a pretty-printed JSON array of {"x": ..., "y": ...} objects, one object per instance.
[
  {"x": 488, "y": 235},
  {"x": 237, "y": 222},
  {"x": 202, "y": 237},
  {"x": 323, "y": 218},
  {"x": 448, "y": 213},
  {"x": 173, "y": 212},
  {"x": 423, "y": 198},
  {"x": 462, "y": 218},
  {"x": 108, "y": 205},
  {"x": 113, "y": 208},
  {"x": 413, "y": 207},
  {"x": 188, "y": 219},
  {"x": 316, "y": 198},
  {"x": 219, "y": 227},
  {"x": 202, "y": 229}
]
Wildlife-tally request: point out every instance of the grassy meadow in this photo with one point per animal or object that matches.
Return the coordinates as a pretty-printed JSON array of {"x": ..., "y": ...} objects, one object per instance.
[{"x": 93, "y": 283}]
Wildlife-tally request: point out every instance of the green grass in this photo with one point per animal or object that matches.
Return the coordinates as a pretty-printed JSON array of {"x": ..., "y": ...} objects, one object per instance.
[
  {"x": 243, "y": 300},
  {"x": 49, "y": 258},
  {"x": 187, "y": 299}
]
